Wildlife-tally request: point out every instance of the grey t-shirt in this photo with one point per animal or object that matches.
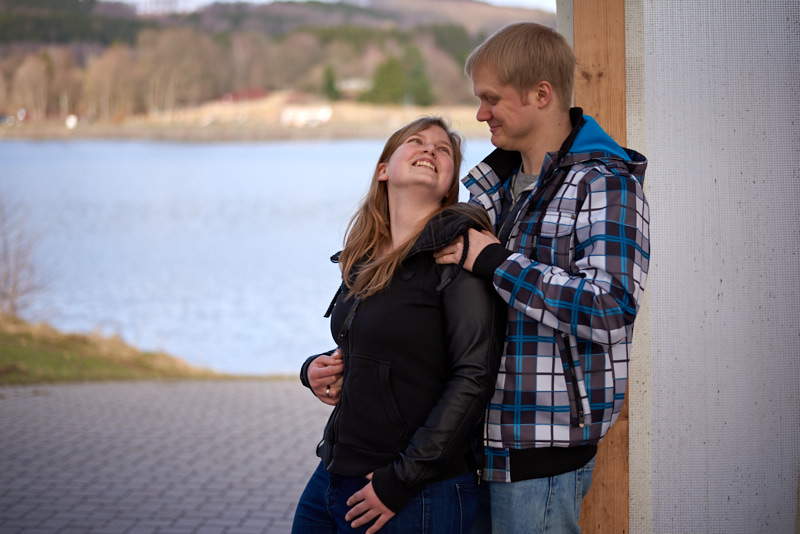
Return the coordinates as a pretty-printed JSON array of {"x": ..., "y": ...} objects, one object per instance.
[{"x": 521, "y": 183}]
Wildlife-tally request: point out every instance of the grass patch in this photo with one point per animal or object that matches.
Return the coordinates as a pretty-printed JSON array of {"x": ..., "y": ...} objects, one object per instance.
[{"x": 33, "y": 354}]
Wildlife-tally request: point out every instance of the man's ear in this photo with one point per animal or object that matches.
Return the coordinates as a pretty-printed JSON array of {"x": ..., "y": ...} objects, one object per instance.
[
  {"x": 542, "y": 94},
  {"x": 383, "y": 176}
]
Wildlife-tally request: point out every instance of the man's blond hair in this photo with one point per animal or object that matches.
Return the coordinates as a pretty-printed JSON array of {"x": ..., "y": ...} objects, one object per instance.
[{"x": 524, "y": 54}]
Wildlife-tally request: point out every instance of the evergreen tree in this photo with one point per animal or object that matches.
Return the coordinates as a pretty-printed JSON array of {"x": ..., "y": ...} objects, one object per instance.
[
  {"x": 401, "y": 81},
  {"x": 417, "y": 84},
  {"x": 329, "y": 84},
  {"x": 71, "y": 6},
  {"x": 388, "y": 83}
]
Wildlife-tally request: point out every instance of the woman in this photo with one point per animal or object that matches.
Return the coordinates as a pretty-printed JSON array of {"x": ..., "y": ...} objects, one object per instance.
[{"x": 420, "y": 345}]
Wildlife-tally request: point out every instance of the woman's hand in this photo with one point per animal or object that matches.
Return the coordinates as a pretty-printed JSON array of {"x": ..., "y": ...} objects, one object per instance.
[
  {"x": 325, "y": 377},
  {"x": 366, "y": 506}
]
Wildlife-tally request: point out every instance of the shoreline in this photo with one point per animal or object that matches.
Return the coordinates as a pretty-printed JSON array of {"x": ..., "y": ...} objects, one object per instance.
[{"x": 272, "y": 118}]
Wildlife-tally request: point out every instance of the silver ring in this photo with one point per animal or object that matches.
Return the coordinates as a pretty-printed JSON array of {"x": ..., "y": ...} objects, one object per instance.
[{"x": 328, "y": 391}]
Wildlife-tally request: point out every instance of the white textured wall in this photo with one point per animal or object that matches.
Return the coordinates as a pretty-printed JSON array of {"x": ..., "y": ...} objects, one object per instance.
[{"x": 714, "y": 103}]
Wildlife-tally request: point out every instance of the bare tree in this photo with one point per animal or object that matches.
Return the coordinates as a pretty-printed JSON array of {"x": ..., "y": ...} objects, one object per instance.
[
  {"x": 181, "y": 67},
  {"x": 64, "y": 84},
  {"x": 29, "y": 88},
  {"x": 19, "y": 280},
  {"x": 293, "y": 58},
  {"x": 109, "y": 83},
  {"x": 249, "y": 61},
  {"x": 4, "y": 104}
]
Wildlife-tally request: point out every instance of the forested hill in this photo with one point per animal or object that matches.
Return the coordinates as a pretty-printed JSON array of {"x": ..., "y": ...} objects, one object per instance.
[
  {"x": 80, "y": 20},
  {"x": 103, "y": 60},
  {"x": 281, "y": 17}
]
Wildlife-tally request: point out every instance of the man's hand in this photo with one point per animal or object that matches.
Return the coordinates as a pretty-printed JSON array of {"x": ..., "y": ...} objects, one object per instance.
[
  {"x": 325, "y": 377},
  {"x": 477, "y": 242},
  {"x": 366, "y": 506}
]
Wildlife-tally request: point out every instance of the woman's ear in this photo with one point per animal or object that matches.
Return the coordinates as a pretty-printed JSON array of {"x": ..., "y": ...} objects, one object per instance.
[{"x": 383, "y": 176}]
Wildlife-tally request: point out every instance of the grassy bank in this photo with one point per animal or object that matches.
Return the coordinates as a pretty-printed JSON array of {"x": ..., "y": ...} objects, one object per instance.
[{"x": 37, "y": 353}]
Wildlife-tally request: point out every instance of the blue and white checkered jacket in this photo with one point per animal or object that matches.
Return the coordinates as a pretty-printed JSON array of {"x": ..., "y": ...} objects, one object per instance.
[{"x": 574, "y": 279}]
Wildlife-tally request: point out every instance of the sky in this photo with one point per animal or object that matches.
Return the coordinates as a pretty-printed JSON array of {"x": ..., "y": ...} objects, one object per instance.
[{"x": 547, "y": 5}]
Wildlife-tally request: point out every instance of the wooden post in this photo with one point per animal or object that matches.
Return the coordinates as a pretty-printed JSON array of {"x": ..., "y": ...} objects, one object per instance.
[{"x": 599, "y": 42}]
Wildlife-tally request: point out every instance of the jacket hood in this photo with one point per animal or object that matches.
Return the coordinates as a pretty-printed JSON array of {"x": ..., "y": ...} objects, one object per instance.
[
  {"x": 443, "y": 228},
  {"x": 592, "y": 142},
  {"x": 592, "y": 138}
]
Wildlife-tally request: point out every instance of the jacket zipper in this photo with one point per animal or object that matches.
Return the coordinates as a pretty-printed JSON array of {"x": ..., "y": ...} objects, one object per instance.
[
  {"x": 576, "y": 392},
  {"x": 348, "y": 322},
  {"x": 346, "y": 327},
  {"x": 548, "y": 182}
]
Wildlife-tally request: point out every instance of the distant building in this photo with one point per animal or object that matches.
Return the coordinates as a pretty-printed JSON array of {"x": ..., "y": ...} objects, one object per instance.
[
  {"x": 164, "y": 7},
  {"x": 305, "y": 116},
  {"x": 352, "y": 87}
]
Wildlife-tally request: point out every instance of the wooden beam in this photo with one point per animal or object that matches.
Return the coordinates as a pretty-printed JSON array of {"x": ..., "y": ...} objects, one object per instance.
[
  {"x": 599, "y": 42},
  {"x": 605, "y": 509},
  {"x": 599, "y": 35}
]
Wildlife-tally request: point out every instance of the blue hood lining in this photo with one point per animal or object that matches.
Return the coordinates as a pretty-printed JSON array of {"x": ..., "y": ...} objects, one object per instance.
[{"x": 592, "y": 138}]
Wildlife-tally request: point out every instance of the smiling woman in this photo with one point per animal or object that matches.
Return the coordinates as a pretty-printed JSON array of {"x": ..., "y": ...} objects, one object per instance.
[
  {"x": 407, "y": 330},
  {"x": 392, "y": 214},
  {"x": 419, "y": 179}
]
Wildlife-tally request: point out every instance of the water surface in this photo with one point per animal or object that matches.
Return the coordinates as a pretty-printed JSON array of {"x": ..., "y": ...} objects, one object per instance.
[{"x": 217, "y": 253}]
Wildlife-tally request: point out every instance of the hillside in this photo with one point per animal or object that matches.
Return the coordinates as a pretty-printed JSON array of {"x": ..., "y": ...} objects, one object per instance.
[
  {"x": 276, "y": 18},
  {"x": 62, "y": 21},
  {"x": 101, "y": 64},
  {"x": 478, "y": 18}
]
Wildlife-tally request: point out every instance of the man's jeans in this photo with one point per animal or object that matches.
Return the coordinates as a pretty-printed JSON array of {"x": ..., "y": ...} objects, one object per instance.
[
  {"x": 539, "y": 506},
  {"x": 443, "y": 507}
]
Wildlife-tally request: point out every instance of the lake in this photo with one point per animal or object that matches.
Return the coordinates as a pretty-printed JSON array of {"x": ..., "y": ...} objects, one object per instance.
[{"x": 216, "y": 253}]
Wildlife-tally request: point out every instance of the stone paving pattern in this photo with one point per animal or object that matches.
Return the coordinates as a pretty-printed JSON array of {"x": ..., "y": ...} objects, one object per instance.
[{"x": 172, "y": 457}]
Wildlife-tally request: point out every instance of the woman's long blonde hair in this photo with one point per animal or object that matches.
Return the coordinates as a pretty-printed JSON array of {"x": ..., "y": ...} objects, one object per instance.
[{"x": 364, "y": 272}]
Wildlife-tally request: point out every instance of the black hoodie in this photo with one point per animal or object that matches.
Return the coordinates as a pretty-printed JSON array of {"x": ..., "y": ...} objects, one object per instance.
[{"x": 420, "y": 359}]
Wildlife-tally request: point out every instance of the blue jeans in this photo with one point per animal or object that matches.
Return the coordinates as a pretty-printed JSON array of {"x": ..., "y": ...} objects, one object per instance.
[
  {"x": 443, "y": 507},
  {"x": 538, "y": 506}
]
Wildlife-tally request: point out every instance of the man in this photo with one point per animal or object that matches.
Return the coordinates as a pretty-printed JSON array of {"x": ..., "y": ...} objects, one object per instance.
[{"x": 570, "y": 258}]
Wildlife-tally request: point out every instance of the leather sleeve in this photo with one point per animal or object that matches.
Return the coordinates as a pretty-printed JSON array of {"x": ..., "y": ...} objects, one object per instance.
[{"x": 475, "y": 330}]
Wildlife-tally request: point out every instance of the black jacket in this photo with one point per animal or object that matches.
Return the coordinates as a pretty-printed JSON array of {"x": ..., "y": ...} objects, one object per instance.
[{"x": 420, "y": 360}]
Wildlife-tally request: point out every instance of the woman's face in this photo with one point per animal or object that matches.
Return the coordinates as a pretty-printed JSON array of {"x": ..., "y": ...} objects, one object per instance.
[{"x": 423, "y": 162}]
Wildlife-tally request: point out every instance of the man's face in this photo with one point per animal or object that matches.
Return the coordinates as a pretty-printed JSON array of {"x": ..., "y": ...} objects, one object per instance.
[{"x": 511, "y": 119}]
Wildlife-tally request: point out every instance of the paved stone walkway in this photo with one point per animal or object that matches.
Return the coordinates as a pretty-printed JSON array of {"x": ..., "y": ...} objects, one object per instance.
[{"x": 205, "y": 457}]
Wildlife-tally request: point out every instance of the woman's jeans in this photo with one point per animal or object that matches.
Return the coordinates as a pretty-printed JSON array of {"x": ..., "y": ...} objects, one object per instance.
[
  {"x": 549, "y": 505},
  {"x": 449, "y": 506}
]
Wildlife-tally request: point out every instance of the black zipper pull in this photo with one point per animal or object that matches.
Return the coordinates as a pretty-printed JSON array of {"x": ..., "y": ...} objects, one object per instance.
[
  {"x": 348, "y": 322},
  {"x": 576, "y": 391},
  {"x": 333, "y": 301}
]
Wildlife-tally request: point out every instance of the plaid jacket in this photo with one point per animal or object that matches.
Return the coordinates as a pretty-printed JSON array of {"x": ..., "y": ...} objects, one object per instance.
[{"x": 573, "y": 272}]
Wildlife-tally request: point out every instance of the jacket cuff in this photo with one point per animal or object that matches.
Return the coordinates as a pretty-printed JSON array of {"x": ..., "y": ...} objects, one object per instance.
[
  {"x": 392, "y": 493},
  {"x": 304, "y": 371},
  {"x": 489, "y": 260}
]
